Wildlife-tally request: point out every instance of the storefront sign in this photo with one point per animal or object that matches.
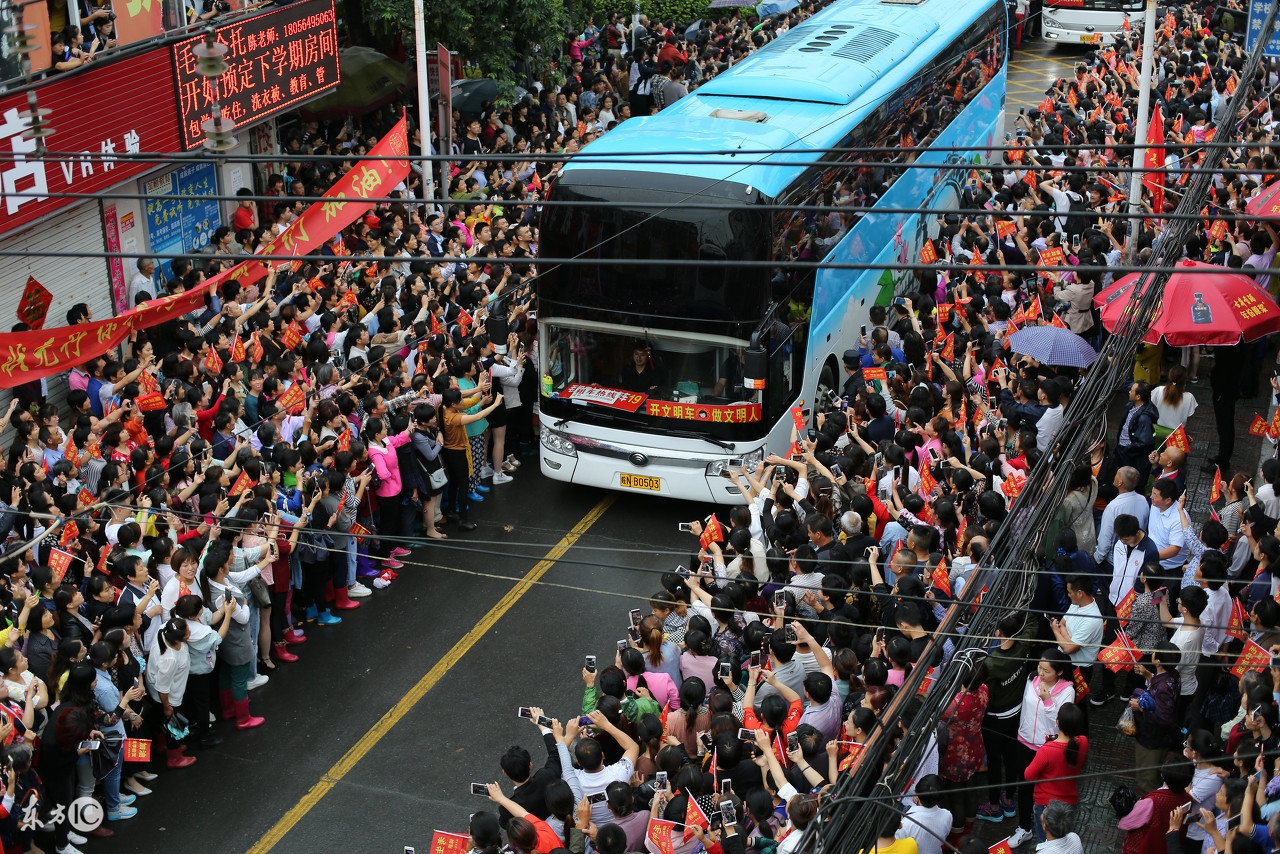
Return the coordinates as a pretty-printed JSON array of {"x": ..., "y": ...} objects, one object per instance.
[
  {"x": 94, "y": 117},
  {"x": 613, "y": 398},
  {"x": 275, "y": 61},
  {"x": 746, "y": 413},
  {"x": 185, "y": 223}
]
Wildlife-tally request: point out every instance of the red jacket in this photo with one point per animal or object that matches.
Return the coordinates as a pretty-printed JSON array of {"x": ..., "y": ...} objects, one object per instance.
[{"x": 1050, "y": 765}]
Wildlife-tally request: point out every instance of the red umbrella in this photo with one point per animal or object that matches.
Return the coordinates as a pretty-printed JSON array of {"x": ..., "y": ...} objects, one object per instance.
[
  {"x": 1201, "y": 304},
  {"x": 1266, "y": 204}
]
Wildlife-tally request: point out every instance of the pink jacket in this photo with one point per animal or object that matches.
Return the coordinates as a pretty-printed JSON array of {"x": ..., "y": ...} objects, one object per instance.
[
  {"x": 664, "y": 691},
  {"x": 387, "y": 465}
]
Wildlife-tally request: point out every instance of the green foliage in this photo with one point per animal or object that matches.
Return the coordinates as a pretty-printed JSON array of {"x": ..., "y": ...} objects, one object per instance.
[{"x": 680, "y": 11}]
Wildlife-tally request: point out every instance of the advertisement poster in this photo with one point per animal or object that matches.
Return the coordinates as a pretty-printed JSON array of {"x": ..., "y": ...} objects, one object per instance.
[{"x": 178, "y": 223}]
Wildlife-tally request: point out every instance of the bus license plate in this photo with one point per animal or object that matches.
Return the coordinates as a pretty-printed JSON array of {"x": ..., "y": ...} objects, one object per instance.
[{"x": 639, "y": 481}]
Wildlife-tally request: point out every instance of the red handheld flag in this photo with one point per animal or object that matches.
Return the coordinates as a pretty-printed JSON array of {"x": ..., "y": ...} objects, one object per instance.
[
  {"x": 940, "y": 580},
  {"x": 1258, "y": 427},
  {"x": 70, "y": 531},
  {"x": 33, "y": 307},
  {"x": 1179, "y": 439},
  {"x": 1274, "y": 429},
  {"x": 139, "y": 750},
  {"x": 797, "y": 418},
  {"x": 927, "y": 253},
  {"x": 660, "y": 836},
  {"x": 242, "y": 483},
  {"x": 1216, "y": 492},
  {"x": 1237, "y": 625},
  {"x": 1120, "y": 654},
  {"x": 59, "y": 562},
  {"x": 712, "y": 532},
  {"x": 694, "y": 817},
  {"x": 870, "y": 374},
  {"x": 1253, "y": 657},
  {"x": 212, "y": 362},
  {"x": 293, "y": 400},
  {"x": 1125, "y": 608},
  {"x": 1002, "y": 847},
  {"x": 238, "y": 353}
]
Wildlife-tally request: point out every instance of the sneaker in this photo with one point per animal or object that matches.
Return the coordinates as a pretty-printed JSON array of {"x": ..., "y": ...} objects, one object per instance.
[
  {"x": 486, "y": 471},
  {"x": 258, "y": 681},
  {"x": 1100, "y": 699},
  {"x": 75, "y": 838},
  {"x": 70, "y": 849},
  {"x": 990, "y": 812},
  {"x": 381, "y": 583},
  {"x": 502, "y": 477},
  {"x": 357, "y": 591},
  {"x": 400, "y": 552},
  {"x": 1021, "y": 837},
  {"x": 127, "y": 800},
  {"x": 122, "y": 813},
  {"x": 1008, "y": 806},
  {"x": 392, "y": 563}
]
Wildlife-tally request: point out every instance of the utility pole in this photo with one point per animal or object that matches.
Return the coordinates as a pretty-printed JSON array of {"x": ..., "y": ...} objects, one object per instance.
[
  {"x": 1140, "y": 133},
  {"x": 424, "y": 103}
]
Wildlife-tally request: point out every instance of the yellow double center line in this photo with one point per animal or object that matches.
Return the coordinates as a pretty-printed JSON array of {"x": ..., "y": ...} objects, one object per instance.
[{"x": 397, "y": 712}]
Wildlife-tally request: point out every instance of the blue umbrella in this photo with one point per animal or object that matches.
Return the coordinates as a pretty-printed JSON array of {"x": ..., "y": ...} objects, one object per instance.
[
  {"x": 775, "y": 7},
  {"x": 1053, "y": 345}
]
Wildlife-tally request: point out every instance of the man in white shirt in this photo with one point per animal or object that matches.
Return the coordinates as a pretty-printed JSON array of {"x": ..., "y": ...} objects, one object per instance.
[
  {"x": 1165, "y": 525},
  {"x": 592, "y": 776},
  {"x": 1130, "y": 502},
  {"x": 1188, "y": 637},
  {"x": 143, "y": 281},
  {"x": 1079, "y": 633},
  {"x": 926, "y": 822}
]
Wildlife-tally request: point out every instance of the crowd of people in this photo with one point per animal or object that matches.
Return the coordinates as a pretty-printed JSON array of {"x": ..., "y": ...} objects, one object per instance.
[{"x": 243, "y": 475}]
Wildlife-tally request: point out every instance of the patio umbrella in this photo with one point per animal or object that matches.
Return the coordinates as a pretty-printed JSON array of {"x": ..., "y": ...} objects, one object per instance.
[
  {"x": 369, "y": 80},
  {"x": 1266, "y": 204},
  {"x": 1201, "y": 304},
  {"x": 1053, "y": 345},
  {"x": 471, "y": 94}
]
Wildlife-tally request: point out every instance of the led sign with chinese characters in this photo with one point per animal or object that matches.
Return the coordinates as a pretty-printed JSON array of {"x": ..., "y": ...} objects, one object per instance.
[{"x": 274, "y": 61}]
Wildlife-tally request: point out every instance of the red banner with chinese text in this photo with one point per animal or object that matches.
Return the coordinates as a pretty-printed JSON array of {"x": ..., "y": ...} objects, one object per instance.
[
  {"x": 742, "y": 414},
  {"x": 344, "y": 204}
]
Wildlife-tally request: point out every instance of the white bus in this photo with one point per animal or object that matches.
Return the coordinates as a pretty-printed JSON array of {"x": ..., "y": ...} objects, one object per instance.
[{"x": 1087, "y": 21}]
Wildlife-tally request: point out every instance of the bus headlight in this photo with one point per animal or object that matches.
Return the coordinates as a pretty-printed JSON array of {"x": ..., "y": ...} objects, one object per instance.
[
  {"x": 557, "y": 442},
  {"x": 750, "y": 461}
]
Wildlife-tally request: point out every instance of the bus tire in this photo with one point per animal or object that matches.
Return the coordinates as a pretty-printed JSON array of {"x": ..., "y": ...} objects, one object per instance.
[{"x": 826, "y": 387}]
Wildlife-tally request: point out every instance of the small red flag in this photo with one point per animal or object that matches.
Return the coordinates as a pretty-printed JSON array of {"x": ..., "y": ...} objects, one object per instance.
[
  {"x": 1253, "y": 657},
  {"x": 238, "y": 353},
  {"x": 927, "y": 253},
  {"x": 344, "y": 441},
  {"x": 1179, "y": 439},
  {"x": 660, "y": 834},
  {"x": 147, "y": 382},
  {"x": 1237, "y": 625},
  {"x": 1051, "y": 257},
  {"x": 242, "y": 483},
  {"x": 212, "y": 362},
  {"x": 293, "y": 400},
  {"x": 1057, "y": 321},
  {"x": 940, "y": 580},
  {"x": 1002, "y": 847},
  {"x": 152, "y": 401},
  {"x": 870, "y": 374},
  {"x": 712, "y": 532},
  {"x": 84, "y": 497},
  {"x": 292, "y": 337},
  {"x": 797, "y": 418},
  {"x": 69, "y": 532},
  {"x": 928, "y": 483},
  {"x": 1216, "y": 492},
  {"x": 59, "y": 562},
  {"x": 1259, "y": 426},
  {"x": 694, "y": 817},
  {"x": 139, "y": 750},
  {"x": 1005, "y": 227},
  {"x": 1274, "y": 429},
  {"x": 358, "y": 531},
  {"x": 1120, "y": 654},
  {"x": 1125, "y": 608}
]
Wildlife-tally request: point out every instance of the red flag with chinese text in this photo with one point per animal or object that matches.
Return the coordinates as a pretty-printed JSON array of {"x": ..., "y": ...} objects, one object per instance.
[
  {"x": 660, "y": 835},
  {"x": 212, "y": 362},
  {"x": 1125, "y": 608},
  {"x": 1216, "y": 492},
  {"x": 1258, "y": 427},
  {"x": 242, "y": 483},
  {"x": 139, "y": 750},
  {"x": 70, "y": 531},
  {"x": 238, "y": 353},
  {"x": 927, "y": 253},
  {"x": 1237, "y": 626},
  {"x": 1120, "y": 654},
  {"x": 294, "y": 398},
  {"x": 940, "y": 580},
  {"x": 712, "y": 532},
  {"x": 1179, "y": 439},
  {"x": 59, "y": 562},
  {"x": 1252, "y": 657},
  {"x": 1153, "y": 161}
]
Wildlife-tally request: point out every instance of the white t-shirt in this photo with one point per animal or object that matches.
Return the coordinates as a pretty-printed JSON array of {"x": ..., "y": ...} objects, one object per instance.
[
  {"x": 1173, "y": 416},
  {"x": 598, "y": 781},
  {"x": 1189, "y": 641},
  {"x": 928, "y": 826}
]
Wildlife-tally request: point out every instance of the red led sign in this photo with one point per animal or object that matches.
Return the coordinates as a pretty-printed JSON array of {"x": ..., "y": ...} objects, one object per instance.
[{"x": 275, "y": 61}]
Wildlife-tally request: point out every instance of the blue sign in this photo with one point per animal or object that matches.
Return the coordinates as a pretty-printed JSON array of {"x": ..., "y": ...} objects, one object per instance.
[
  {"x": 178, "y": 220},
  {"x": 1258, "y": 10}
]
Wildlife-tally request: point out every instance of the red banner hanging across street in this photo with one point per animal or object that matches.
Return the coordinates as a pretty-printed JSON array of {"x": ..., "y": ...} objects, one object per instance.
[{"x": 28, "y": 356}]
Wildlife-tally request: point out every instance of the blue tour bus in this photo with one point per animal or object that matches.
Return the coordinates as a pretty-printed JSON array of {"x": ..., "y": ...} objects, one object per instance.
[{"x": 650, "y": 380}]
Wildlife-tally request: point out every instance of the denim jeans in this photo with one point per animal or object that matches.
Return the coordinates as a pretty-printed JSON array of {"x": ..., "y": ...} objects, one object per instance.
[
  {"x": 351, "y": 561},
  {"x": 1036, "y": 824}
]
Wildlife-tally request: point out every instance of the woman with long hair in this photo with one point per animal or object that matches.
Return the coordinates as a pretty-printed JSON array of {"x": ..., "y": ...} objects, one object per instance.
[
  {"x": 237, "y": 647},
  {"x": 457, "y": 454},
  {"x": 64, "y": 744},
  {"x": 660, "y": 655},
  {"x": 386, "y": 462},
  {"x": 168, "y": 667},
  {"x": 1045, "y": 694},
  {"x": 1174, "y": 403},
  {"x": 1057, "y": 763}
]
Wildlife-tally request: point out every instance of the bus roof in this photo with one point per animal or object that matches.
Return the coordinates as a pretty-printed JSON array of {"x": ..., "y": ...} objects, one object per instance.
[{"x": 802, "y": 92}]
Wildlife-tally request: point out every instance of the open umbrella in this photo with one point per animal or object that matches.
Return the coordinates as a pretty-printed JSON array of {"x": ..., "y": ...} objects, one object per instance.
[
  {"x": 1201, "y": 304},
  {"x": 1266, "y": 204},
  {"x": 775, "y": 7},
  {"x": 1053, "y": 345},
  {"x": 471, "y": 94},
  {"x": 369, "y": 80}
]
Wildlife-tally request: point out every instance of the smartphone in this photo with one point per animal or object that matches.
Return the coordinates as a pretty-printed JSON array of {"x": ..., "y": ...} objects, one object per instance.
[
  {"x": 408, "y": 849},
  {"x": 715, "y": 821},
  {"x": 584, "y": 721},
  {"x": 543, "y": 720},
  {"x": 683, "y": 572},
  {"x": 727, "y": 815},
  {"x": 880, "y": 635},
  {"x": 597, "y": 798},
  {"x": 1191, "y": 816},
  {"x": 480, "y": 789},
  {"x": 933, "y": 454},
  {"x": 897, "y": 473},
  {"x": 726, "y": 669},
  {"x": 635, "y": 617},
  {"x": 864, "y": 331},
  {"x": 745, "y": 734},
  {"x": 779, "y": 599},
  {"x": 793, "y": 741},
  {"x": 813, "y": 434},
  {"x": 1158, "y": 596},
  {"x": 94, "y": 745},
  {"x": 899, "y": 301},
  {"x": 1233, "y": 822},
  {"x": 797, "y": 458},
  {"x": 622, "y": 645},
  {"x": 525, "y": 712},
  {"x": 755, "y": 659},
  {"x": 686, "y": 528},
  {"x": 660, "y": 780},
  {"x": 590, "y": 663},
  {"x": 726, "y": 474},
  {"x": 1275, "y": 661},
  {"x": 836, "y": 472},
  {"x": 737, "y": 462},
  {"x": 726, "y": 788},
  {"x": 879, "y": 459},
  {"x": 705, "y": 738},
  {"x": 790, "y": 634}
]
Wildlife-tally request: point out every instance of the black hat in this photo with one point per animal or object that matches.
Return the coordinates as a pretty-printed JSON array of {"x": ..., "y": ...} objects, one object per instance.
[{"x": 852, "y": 359}]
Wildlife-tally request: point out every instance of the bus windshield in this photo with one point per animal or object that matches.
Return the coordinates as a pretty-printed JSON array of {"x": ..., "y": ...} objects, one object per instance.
[{"x": 661, "y": 290}]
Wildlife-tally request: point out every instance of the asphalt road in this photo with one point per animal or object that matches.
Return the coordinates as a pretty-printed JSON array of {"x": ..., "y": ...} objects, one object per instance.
[{"x": 415, "y": 778}]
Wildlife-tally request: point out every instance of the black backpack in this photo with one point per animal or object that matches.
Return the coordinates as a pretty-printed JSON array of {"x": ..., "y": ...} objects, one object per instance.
[{"x": 1077, "y": 217}]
